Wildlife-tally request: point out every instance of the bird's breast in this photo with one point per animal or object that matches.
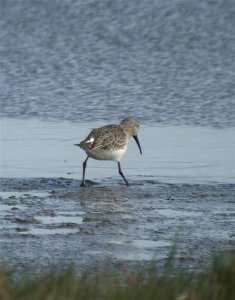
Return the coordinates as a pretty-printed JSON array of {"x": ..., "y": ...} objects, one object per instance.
[{"x": 112, "y": 154}]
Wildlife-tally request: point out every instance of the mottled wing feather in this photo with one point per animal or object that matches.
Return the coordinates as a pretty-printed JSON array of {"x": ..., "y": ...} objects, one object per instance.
[
  {"x": 106, "y": 137},
  {"x": 111, "y": 136}
]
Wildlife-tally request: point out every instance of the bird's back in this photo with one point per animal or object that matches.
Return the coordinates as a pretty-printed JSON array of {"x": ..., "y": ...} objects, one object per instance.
[{"x": 109, "y": 137}]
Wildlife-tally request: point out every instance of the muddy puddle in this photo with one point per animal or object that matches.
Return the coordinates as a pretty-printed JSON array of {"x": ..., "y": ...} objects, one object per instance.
[{"x": 53, "y": 221}]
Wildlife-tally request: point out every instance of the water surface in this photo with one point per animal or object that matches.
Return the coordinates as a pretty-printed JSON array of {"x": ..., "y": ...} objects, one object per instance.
[
  {"x": 170, "y": 153},
  {"x": 69, "y": 66},
  {"x": 182, "y": 190},
  {"x": 162, "y": 61}
]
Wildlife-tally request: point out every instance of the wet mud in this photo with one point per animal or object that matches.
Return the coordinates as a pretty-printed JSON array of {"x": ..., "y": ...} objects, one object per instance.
[{"x": 49, "y": 221}]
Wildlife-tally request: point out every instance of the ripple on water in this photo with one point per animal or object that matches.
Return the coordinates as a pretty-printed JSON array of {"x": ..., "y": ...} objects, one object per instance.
[
  {"x": 141, "y": 243},
  {"x": 60, "y": 219},
  {"x": 50, "y": 231},
  {"x": 126, "y": 58},
  {"x": 23, "y": 194}
]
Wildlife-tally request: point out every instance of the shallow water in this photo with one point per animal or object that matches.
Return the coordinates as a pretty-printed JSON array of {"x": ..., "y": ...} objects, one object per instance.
[
  {"x": 170, "y": 153},
  {"x": 109, "y": 221},
  {"x": 182, "y": 190}
]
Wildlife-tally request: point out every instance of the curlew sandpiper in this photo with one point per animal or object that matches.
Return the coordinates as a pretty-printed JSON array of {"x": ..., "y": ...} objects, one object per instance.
[{"x": 110, "y": 143}]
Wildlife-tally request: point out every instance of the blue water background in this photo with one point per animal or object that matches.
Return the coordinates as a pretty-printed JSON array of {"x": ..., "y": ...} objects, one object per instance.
[{"x": 170, "y": 62}]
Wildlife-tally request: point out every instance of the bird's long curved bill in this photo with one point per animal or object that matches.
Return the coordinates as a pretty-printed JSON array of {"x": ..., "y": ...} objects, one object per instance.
[{"x": 137, "y": 142}]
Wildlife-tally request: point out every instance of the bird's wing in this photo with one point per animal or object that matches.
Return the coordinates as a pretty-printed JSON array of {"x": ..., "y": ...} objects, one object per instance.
[{"x": 106, "y": 137}]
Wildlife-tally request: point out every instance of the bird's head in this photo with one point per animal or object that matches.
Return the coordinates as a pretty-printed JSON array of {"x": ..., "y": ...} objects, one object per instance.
[{"x": 131, "y": 127}]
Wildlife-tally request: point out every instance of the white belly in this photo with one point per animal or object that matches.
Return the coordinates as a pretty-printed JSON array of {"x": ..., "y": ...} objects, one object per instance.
[{"x": 114, "y": 155}]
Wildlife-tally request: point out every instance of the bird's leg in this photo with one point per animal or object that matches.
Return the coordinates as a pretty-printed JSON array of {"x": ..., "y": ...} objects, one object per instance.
[
  {"x": 120, "y": 172},
  {"x": 83, "y": 172}
]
